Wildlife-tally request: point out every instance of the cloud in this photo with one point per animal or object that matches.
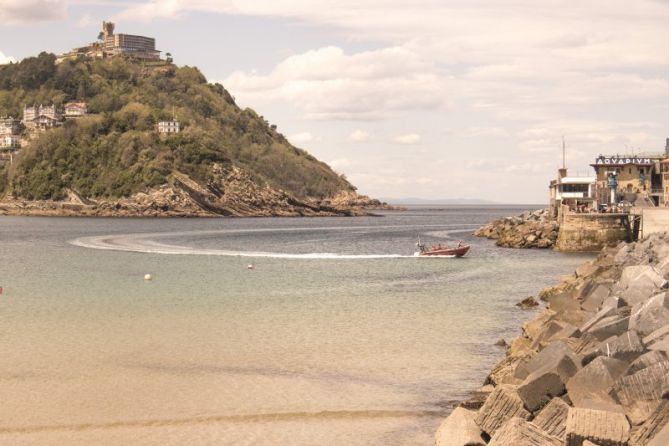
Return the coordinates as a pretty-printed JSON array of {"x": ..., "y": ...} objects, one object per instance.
[
  {"x": 327, "y": 83},
  {"x": 359, "y": 136},
  {"x": 340, "y": 163},
  {"x": 303, "y": 138},
  {"x": 408, "y": 139},
  {"x": 6, "y": 59},
  {"x": 87, "y": 20},
  {"x": 15, "y": 12}
]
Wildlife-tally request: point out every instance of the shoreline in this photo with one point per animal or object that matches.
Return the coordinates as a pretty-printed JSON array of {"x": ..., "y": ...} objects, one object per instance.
[{"x": 592, "y": 365}]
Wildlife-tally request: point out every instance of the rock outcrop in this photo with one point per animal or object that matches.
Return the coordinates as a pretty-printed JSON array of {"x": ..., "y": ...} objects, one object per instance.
[
  {"x": 230, "y": 192},
  {"x": 527, "y": 230},
  {"x": 592, "y": 367}
]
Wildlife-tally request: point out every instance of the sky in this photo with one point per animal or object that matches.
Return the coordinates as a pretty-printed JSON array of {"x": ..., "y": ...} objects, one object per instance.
[{"x": 436, "y": 99}]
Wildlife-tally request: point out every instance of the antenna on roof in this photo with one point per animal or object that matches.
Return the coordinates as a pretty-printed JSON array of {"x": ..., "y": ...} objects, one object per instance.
[{"x": 564, "y": 162}]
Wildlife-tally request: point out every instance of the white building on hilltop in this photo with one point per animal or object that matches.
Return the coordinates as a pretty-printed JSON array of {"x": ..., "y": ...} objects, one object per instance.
[{"x": 172, "y": 126}]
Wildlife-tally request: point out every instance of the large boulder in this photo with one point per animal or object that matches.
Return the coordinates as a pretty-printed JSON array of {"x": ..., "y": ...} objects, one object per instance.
[
  {"x": 599, "y": 426},
  {"x": 653, "y": 426},
  {"x": 595, "y": 298},
  {"x": 626, "y": 347},
  {"x": 645, "y": 360},
  {"x": 589, "y": 387},
  {"x": 639, "y": 282},
  {"x": 502, "y": 405},
  {"x": 610, "y": 326},
  {"x": 459, "y": 429},
  {"x": 650, "y": 315},
  {"x": 553, "y": 418},
  {"x": 641, "y": 392},
  {"x": 519, "y": 432}
]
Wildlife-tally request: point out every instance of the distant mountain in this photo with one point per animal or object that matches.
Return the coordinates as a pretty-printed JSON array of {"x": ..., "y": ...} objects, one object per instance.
[{"x": 419, "y": 201}]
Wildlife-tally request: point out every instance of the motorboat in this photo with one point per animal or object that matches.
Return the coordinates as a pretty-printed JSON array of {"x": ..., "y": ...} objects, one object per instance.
[{"x": 441, "y": 250}]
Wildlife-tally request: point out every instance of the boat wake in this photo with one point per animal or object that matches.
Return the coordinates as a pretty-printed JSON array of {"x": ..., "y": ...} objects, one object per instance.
[{"x": 146, "y": 243}]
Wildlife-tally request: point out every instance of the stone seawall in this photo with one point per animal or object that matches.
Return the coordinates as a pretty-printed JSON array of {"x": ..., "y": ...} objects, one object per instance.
[
  {"x": 591, "y": 369},
  {"x": 590, "y": 232}
]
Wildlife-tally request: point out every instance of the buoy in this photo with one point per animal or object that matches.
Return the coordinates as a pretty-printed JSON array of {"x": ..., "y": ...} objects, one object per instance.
[
  {"x": 250, "y": 266},
  {"x": 147, "y": 277}
]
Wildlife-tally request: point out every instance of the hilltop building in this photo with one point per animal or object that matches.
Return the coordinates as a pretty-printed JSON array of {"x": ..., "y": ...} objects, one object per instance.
[
  {"x": 41, "y": 117},
  {"x": 172, "y": 126},
  {"x": 110, "y": 44},
  {"x": 75, "y": 109}
]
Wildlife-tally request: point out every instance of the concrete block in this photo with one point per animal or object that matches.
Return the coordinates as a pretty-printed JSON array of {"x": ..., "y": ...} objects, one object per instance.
[
  {"x": 645, "y": 360},
  {"x": 641, "y": 392},
  {"x": 626, "y": 347},
  {"x": 553, "y": 418},
  {"x": 606, "y": 311},
  {"x": 502, "y": 405},
  {"x": 609, "y": 326},
  {"x": 638, "y": 283},
  {"x": 568, "y": 331},
  {"x": 589, "y": 387},
  {"x": 651, "y": 428},
  {"x": 519, "y": 432},
  {"x": 459, "y": 429},
  {"x": 657, "y": 335},
  {"x": 650, "y": 315},
  {"x": 594, "y": 300},
  {"x": 598, "y": 426},
  {"x": 549, "y": 356}
]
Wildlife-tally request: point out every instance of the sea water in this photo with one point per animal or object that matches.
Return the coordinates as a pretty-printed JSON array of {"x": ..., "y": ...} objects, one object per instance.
[{"x": 261, "y": 331}]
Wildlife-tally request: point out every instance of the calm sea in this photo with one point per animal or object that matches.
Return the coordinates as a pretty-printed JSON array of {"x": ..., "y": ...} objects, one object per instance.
[{"x": 337, "y": 336}]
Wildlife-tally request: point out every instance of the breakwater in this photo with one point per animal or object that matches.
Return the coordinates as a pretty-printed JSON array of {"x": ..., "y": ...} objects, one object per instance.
[
  {"x": 590, "y": 369},
  {"x": 527, "y": 230}
]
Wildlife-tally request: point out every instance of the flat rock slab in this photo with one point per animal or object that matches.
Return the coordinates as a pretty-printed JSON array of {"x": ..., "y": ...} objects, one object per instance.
[
  {"x": 598, "y": 426},
  {"x": 641, "y": 392},
  {"x": 502, "y": 405},
  {"x": 550, "y": 356},
  {"x": 651, "y": 428},
  {"x": 518, "y": 432},
  {"x": 553, "y": 418},
  {"x": 590, "y": 387},
  {"x": 459, "y": 429},
  {"x": 595, "y": 299}
]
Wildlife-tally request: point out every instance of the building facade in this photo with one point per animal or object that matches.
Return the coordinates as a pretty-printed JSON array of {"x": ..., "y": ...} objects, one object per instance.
[
  {"x": 632, "y": 178},
  {"x": 576, "y": 192},
  {"x": 10, "y": 142},
  {"x": 172, "y": 126},
  {"x": 9, "y": 126},
  {"x": 75, "y": 109},
  {"x": 41, "y": 117}
]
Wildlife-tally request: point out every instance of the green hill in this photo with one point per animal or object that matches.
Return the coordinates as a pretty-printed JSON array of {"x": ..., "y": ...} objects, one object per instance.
[{"x": 115, "y": 151}]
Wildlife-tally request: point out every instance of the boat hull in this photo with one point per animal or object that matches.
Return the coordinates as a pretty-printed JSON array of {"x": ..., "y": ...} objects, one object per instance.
[{"x": 445, "y": 252}]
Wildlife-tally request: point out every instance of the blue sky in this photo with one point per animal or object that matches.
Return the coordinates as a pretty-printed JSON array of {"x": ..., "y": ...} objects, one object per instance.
[{"x": 423, "y": 98}]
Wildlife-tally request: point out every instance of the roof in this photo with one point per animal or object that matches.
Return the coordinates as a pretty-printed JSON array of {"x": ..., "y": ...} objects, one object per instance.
[{"x": 578, "y": 180}]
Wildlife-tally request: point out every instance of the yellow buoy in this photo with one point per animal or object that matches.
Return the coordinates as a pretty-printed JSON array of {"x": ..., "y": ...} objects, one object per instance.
[{"x": 147, "y": 277}]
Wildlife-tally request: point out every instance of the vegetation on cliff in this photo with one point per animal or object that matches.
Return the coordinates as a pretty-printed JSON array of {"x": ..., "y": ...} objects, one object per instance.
[{"x": 116, "y": 152}]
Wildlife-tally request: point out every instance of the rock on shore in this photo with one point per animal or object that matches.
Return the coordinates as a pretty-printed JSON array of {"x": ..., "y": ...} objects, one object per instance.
[
  {"x": 591, "y": 368},
  {"x": 527, "y": 230},
  {"x": 231, "y": 192}
]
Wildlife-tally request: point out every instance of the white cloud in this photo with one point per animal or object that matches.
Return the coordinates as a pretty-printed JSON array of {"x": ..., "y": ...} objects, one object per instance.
[
  {"x": 408, "y": 139},
  {"x": 359, "y": 136},
  {"x": 340, "y": 163},
  {"x": 329, "y": 84},
  {"x": 15, "y": 12},
  {"x": 303, "y": 138},
  {"x": 5, "y": 59},
  {"x": 87, "y": 20}
]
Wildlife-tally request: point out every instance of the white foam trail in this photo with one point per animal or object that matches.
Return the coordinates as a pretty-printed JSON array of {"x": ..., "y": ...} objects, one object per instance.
[{"x": 142, "y": 243}]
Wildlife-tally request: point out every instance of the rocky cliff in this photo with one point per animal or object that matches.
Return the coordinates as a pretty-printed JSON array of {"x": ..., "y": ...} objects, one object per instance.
[{"x": 591, "y": 369}]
